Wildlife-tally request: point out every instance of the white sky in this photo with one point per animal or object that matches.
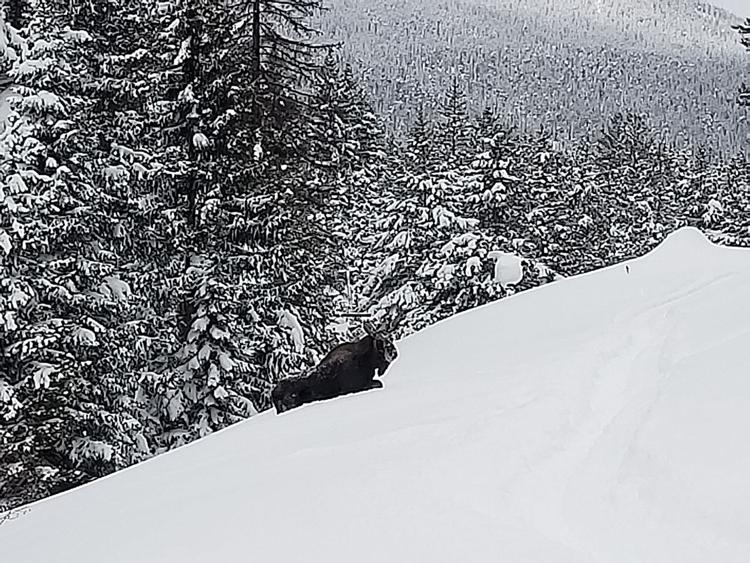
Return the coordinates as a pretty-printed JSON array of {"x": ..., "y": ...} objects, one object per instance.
[{"x": 739, "y": 7}]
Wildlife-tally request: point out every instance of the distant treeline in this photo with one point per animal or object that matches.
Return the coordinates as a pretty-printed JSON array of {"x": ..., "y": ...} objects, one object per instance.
[{"x": 552, "y": 65}]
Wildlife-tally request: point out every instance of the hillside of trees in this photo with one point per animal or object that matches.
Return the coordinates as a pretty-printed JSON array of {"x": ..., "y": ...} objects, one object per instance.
[
  {"x": 564, "y": 66},
  {"x": 197, "y": 200}
]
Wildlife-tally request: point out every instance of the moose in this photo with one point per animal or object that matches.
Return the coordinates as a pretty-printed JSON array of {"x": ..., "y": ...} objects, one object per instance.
[{"x": 348, "y": 368}]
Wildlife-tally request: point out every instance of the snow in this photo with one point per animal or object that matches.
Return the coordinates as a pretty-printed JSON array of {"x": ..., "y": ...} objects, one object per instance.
[
  {"x": 508, "y": 267},
  {"x": 116, "y": 288},
  {"x": 200, "y": 141},
  {"x": 601, "y": 418},
  {"x": 738, "y": 7},
  {"x": 289, "y": 320},
  {"x": 6, "y": 96},
  {"x": 42, "y": 375},
  {"x": 5, "y": 243}
]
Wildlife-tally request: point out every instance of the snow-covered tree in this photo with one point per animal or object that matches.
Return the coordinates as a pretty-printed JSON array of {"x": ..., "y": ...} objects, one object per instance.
[
  {"x": 454, "y": 130},
  {"x": 208, "y": 384},
  {"x": 344, "y": 133},
  {"x": 486, "y": 127},
  {"x": 744, "y": 30},
  {"x": 420, "y": 145},
  {"x": 260, "y": 245},
  {"x": 68, "y": 334}
]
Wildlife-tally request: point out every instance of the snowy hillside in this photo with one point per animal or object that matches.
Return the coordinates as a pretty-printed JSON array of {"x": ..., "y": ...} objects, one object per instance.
[{"x": 601, "y": 418}]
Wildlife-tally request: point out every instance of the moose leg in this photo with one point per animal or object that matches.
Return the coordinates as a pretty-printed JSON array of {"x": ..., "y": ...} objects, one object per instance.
[{"x": 362, "y": 386}]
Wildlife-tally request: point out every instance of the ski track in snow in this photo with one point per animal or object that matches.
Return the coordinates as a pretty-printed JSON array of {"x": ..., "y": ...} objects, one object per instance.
[{"x": 598, "y": 419}]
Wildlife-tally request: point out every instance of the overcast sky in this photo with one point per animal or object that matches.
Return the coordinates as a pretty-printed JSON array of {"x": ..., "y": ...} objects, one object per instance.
[{"x": 739, "y": 7}]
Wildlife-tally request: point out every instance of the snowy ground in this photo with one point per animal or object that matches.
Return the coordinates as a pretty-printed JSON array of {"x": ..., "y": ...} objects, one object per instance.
[{"x": 601, "y": 418}]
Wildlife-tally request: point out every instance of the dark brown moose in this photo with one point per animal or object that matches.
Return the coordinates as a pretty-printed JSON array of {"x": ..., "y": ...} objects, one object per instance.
[{"x": 348, "y": 368}]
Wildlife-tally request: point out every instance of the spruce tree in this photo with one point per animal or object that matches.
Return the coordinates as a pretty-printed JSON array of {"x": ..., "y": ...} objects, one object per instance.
[
  {"x": 420, "y": 143},
  {"x": 454, "y": 126},
  {"x": 69, "y": 339},
  {"x": 280, "y": 217},
  {"x": 744, "y": 30},
  {"x": 13, "y": 16},
  {"x": 285, "y": 59},
  {"x": 344, "y": 133},
  {"x": 196, "y": 384},
  {"x": 487, "y": 124},
  {"x": 259, "y": 252}
]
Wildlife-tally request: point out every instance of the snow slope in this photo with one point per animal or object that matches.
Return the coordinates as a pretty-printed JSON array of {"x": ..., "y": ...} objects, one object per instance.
[{"x": 601, "y": 418}]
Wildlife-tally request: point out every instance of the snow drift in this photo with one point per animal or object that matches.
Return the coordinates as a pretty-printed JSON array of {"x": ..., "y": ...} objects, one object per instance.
[{"x": 602, "y": 418}]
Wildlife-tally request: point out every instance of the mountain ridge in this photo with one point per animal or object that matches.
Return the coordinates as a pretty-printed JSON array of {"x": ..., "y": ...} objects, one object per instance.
[{"x": 566, "y": 66}]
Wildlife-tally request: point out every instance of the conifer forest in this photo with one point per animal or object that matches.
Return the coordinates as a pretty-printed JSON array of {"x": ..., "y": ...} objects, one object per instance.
[{"x": 199, "y": 198}]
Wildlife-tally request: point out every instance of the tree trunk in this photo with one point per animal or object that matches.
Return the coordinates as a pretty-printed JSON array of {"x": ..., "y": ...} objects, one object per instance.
[
  {"x": 256, "y": 61},
  {"x": 191, "y": 69}
]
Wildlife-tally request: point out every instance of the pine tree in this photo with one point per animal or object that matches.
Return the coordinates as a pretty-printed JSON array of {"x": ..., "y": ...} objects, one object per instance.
[
  {"x": 260, "y": 253},
  {"x": 285, "y": 61},
  {"x": 420, "y": 143},
  {"x": 454, "y": 132},
  {"x": 68, "y": 339},
  {"x": 344, "y": 133},
  {"x": 744, "y": 30},
  {"x": 487, "y": 124}
]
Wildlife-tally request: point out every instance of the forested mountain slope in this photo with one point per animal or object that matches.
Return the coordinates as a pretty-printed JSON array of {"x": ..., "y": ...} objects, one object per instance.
[{"x": 565, "y": 65}]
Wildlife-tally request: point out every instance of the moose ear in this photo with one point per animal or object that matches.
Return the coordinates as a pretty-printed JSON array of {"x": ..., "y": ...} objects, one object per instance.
[
  {"x": 390, "y": 326},
  {"x": 369, "y": 328}
]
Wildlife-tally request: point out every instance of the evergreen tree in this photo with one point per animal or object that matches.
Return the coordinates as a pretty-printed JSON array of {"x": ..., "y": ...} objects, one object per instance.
[
  {"x": 68, "y": 335},
  {"x": 487, "y": 125},
  {"x": 12, "y": 18},
  {"x": 744, "y": 30},
  {"x": 454, "y": 133},
  {"x": 279, "y": 218},
  {"x": 420, "y": 143},
  {"x": 631, "y": 179},
  {"x": 182, "y": 116},
  {"x": 260, "y": 253},
  {"x": 16, "y": 13},
  {"x": 501, "y": 197},
  {"x": 285, "y": 61},
  {"x": 344, "y": 133},
  {"x": 624, "y": 142}
]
